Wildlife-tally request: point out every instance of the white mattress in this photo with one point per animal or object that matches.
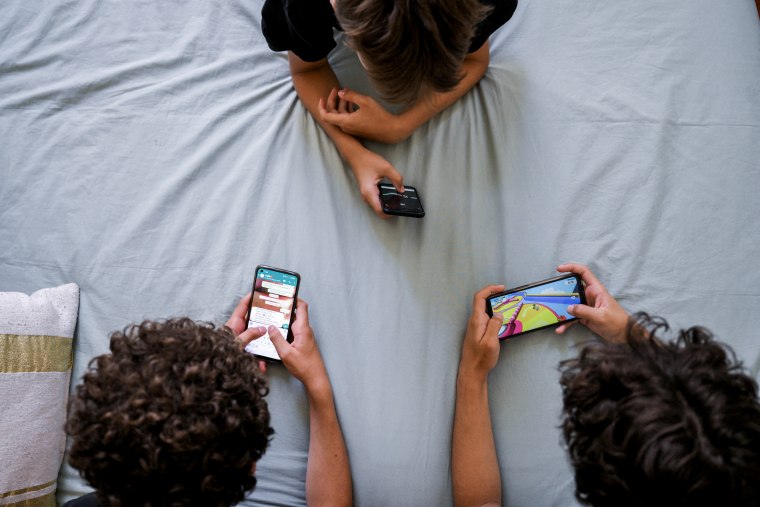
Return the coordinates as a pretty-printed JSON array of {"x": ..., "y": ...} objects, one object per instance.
[{"x": 156, "y": 152}]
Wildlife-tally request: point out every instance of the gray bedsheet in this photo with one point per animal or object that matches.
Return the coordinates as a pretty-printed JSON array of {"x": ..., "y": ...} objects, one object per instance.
[{"x": 155, "y": 152}]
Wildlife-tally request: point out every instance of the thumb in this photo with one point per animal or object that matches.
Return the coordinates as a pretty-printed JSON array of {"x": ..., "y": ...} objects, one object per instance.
[
  {"x": 583, "y": 312},
  {"x": 352, "y": 96},
  {"x": 251, "y": 334},
  {"x": 395, "y": 177},
  {"x": 280, "y": 344},
  {"x": 492, "y": 329}
]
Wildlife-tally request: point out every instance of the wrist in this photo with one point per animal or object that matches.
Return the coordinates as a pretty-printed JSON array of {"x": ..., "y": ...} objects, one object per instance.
[
  {"x": 471, "y": 378},
  {"x": 319, "y": 390}
]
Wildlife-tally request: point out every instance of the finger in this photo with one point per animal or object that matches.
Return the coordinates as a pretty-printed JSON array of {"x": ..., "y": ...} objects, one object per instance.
[
  {"x": 372, "y": 198},
  {"x": 342, "y": 106},
  {"x": 280, "y": 343},
  {"x": 242, "y": 307},
  {"x": 331, "y": 100},
  {"x": 587, "y": 275},
  {"x": 395, "y": 177},
  {"x": 479, "y": 300},
  {"x": 355, "y": 97},
  {"x": 583, "y": 312},
  {"x": 336, "y": 119},
  {"x": 564, "y": 327},
  {"x": 251, "y": 334},
  {"x": 302, "y": 313},
  {"x": 492, "y": 330}
]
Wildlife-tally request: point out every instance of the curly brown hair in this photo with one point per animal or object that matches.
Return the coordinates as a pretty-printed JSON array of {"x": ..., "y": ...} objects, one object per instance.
[
  {"x": 654, "y": 423},
  {"x": 174, "y": 415},
  {"x": 411, "y": 47}
]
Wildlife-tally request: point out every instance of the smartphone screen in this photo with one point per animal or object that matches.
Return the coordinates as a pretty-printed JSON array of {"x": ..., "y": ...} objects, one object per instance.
[
  {"x": 272, "y": 301},
  {"x": 537, "y": 305},
  {"x": 394, "y": 203}
]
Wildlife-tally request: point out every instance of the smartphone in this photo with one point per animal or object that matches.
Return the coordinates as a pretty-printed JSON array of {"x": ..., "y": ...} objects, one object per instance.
[
  {"x": 536, "y": 305},
  {"x": 273, "y": 300},
  {"x": 407, "y": 204}
]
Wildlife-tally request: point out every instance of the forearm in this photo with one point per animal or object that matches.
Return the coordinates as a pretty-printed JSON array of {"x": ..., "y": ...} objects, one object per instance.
[
  {"x": 328, "y": 475},
  {"x": 317, "y": 83},
  {"x": 474, "y": 67},
  {"x": 474, "y": 468}
]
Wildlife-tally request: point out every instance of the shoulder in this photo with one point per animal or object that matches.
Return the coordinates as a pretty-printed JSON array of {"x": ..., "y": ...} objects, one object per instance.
[
  {"x": 501, "y": 12},
  {"x": 302, "y": 26}
]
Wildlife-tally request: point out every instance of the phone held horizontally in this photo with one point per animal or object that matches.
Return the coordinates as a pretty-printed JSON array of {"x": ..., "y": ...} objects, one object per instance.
[
  {"x": 536, "y": 305},
  {"x": 407, "y": 204},
  {"x": 273, "y": 300}
]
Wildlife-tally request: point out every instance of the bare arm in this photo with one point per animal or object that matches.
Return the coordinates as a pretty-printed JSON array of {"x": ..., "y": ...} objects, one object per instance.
[
  {"x": 372, "y": 121},
  {"x": 328, "y": 475},
  {"x": 315, "y": 82},
  {"x": 474, "y": 468}
]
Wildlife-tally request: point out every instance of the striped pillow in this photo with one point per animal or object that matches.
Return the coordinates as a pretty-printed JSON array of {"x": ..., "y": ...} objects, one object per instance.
[{"x": 36, "y": 334}]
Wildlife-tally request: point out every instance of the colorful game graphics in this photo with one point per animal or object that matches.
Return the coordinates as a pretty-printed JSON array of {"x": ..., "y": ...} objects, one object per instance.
[{"x": 536, "y": 307}]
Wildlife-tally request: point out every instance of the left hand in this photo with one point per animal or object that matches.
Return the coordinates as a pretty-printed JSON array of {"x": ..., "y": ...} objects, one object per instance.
[
  {"x": 362, "y": 116},
  {"x": 238, "y": 325},
  {"x": 481, "y": 343}
]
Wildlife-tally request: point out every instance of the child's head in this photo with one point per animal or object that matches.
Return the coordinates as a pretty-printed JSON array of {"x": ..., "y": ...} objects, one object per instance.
[
  {"x": 410, "y": 47},
  {"x": 655, "y": 423},
  {"x": 174, "y": 415}
]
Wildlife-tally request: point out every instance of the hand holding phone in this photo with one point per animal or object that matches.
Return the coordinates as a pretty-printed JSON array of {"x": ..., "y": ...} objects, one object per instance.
[
  {"x": 536, "y": 305},
  {"x": 302, "y": 357},
  {"x": 407, "y": 204},
  {"x": 602, "y": 314},
  {"x": 272, "y": 304}
]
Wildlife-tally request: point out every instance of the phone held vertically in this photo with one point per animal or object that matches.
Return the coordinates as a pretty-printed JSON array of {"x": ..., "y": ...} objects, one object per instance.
[
  {"x": 407, "y": 204},
  {"x": 273, "y": 301},
  {"x": 536, "y": 305}
]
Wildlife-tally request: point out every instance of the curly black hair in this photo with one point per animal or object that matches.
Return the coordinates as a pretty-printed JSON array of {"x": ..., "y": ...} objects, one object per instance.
[
  {"x": 654, "y": 423},
  {"x": 174, "y": 415}
]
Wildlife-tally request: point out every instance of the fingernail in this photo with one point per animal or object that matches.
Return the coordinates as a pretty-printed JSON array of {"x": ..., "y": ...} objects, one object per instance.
[
  {"x": 272, "y": 329},
  {"x": 571, "y": 309},
  {"x": 341, "y": 92},
  {"x": 261, "y": 329}
]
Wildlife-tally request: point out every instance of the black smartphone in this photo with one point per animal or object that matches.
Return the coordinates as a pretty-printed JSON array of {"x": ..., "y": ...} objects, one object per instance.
[
  {"x": 407, "y": 204},
  {"x": 273, "y": 301},
  {"x": 536, "y": 305}
]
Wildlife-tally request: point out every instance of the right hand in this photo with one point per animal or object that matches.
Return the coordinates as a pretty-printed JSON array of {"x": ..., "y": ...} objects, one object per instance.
[
  {"x": 480, "y": 350},
  {"x": 603, "y": 315},
  {"x": 302, "y": 357},
  {"x": 369, "y": 169}
]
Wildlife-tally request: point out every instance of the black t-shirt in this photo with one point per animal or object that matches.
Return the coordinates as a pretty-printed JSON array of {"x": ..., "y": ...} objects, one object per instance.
[
  {"x": 305, "y": 27},
  {"x": 90, "y": 500}
]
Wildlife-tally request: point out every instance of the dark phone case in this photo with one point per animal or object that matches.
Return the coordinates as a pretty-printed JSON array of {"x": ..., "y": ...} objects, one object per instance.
[
  {"x": 582, "y": 294},
  {"x": 419, "y": 214},
  {"x": 289, "y": 338}
]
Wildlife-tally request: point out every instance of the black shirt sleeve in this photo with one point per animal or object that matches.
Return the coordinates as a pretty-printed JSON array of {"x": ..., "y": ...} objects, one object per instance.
[
  {"x": 501, "y": 12},
  {"x": 90, "y": 500},
  {"x": 304, "y": 27}
]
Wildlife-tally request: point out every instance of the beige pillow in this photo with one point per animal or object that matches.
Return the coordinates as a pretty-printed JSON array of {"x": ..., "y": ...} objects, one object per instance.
[{"x": 36, "y": 334}]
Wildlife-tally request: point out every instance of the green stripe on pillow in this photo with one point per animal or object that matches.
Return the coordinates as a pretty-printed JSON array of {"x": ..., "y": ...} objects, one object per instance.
[
  {"x": 20, "y": 353},
  {"x": 41, "y": 501}
]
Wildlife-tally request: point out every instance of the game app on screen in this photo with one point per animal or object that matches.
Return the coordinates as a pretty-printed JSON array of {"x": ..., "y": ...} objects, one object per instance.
[
  {"x": 273, "y": 296},
  {"x": 536, "y": 305}
]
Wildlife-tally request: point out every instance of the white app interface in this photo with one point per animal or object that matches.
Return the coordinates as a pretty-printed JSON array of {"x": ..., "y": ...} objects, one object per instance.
[{"x": 273, "y": 298}]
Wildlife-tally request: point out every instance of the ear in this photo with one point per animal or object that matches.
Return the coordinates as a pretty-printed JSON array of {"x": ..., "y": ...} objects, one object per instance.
[{"x": 253, "y": 468}]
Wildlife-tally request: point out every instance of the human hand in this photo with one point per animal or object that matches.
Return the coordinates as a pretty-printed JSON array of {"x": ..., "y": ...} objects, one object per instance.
[
  {"x": 302, "y": 357},
  {"x": 480, "y": 350},
  {"x": 362, "y": 116},
  {"x": 238, "y": 324},
  {"x": 369, "y": 169},
  {"x": 602, "y": 314}
]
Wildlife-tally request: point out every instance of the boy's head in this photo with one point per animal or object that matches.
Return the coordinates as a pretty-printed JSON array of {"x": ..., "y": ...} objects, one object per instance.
[
  {"x": 410, "y": 47},
  {"x": 654, "y": 423},
  {"x": 174, "y": 415}
]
